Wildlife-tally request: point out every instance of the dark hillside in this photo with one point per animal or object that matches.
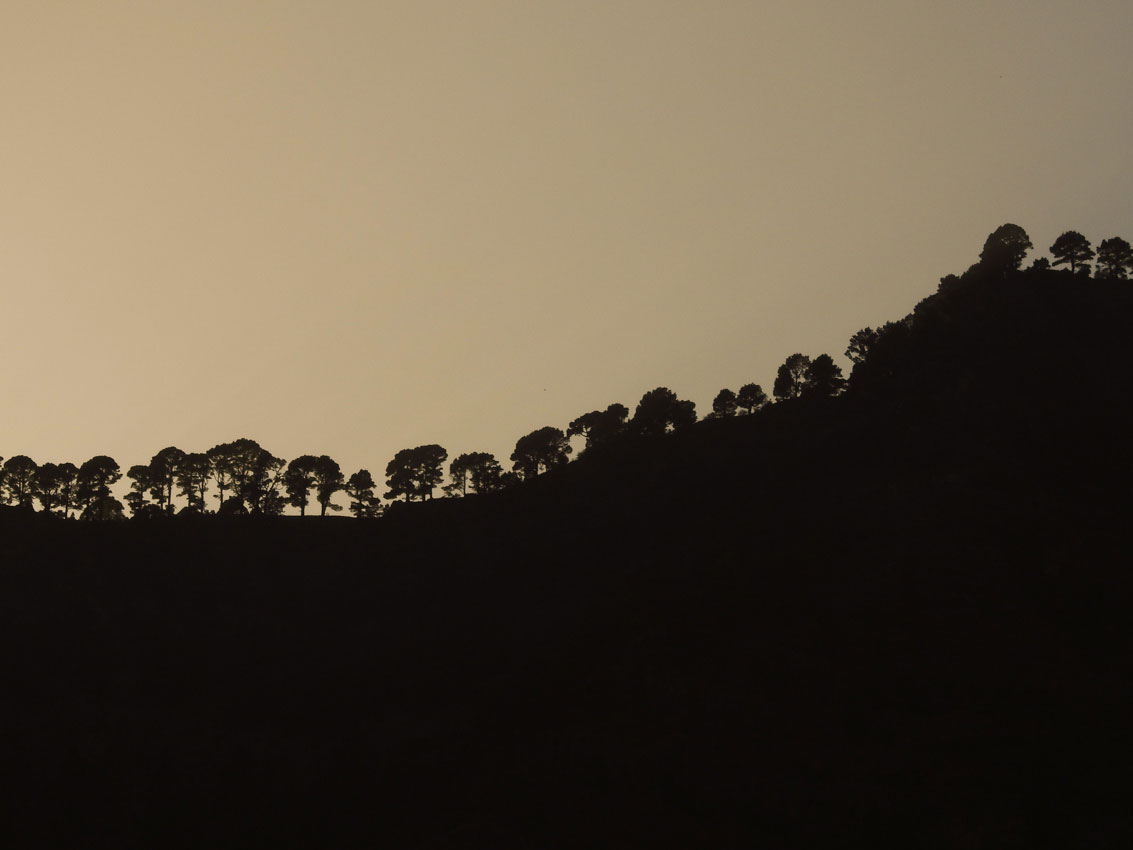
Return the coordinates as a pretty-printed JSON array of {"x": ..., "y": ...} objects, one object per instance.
[{"x": 893, "y": 618}]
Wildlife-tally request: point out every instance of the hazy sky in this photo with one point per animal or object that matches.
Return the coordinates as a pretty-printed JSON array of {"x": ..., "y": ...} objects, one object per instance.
[{"x": 351, "y": 227}]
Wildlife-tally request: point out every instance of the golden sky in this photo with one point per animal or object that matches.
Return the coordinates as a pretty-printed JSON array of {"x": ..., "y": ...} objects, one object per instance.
[{"x": 351, "y": 227}]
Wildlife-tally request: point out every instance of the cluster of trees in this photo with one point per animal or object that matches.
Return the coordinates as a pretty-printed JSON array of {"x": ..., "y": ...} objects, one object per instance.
[
  {"x": 749, "y": 399},
  {"x": 249, "y": 479},
  {"x": 246, "y": 477},
  {"x": 1114, "y": 256},
  {"x": 1007, "y": 246},
  {"x": 62, "y": 488},
  {"x": 1003, "y": 253},
  {"x": 416, "y": 473}
]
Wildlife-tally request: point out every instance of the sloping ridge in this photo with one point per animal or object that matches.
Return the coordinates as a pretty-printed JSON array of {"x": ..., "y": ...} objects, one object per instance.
[{"x": 897, "y": 617}]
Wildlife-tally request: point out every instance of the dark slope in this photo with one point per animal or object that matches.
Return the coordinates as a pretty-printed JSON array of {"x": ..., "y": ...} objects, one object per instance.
[{"x": 894, "y": 618}]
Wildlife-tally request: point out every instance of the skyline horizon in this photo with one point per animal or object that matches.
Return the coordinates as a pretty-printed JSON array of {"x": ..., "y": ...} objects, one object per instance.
[
  {"x": 703, "y": 407},
  {"x": 352, "y": 228}
]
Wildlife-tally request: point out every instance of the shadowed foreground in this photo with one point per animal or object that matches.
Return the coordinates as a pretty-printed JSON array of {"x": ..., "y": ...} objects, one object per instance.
[{"x": 897, "y": 618}]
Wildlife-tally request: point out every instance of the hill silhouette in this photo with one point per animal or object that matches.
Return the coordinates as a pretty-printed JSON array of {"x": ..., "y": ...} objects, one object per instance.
[{"x": 897, "y": 616}]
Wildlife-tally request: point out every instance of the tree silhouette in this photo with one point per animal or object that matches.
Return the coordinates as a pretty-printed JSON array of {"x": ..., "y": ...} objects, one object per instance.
[
  {"x": 193, "y": 479},
  {"x": 860, "y": 343},
  {"x": 48, "y": 485},
  {"x": 1004, "y": 249},
  {"x": 824, "y": 377},
  {"x": 1072, "y": 248},
  {"x": 1115, "y": 259},
  {"x": 360, "y": 489},
  {"x": 19, "y": 473},
  {"x": 724, "y": 404},
  {"x": 260, "y": 489},
  {"x": 93, "y": 483},
  {"x": 792, "y": 377},
  {"x": 660, "y": 411},
  {"x": 540, "y": 450},
  {"x": 222, "y": 458},
  {"x": 751, "y": 398},
  {"x": 485, "y": 474},
  {"x": 251, "y": 472},
  {"x": 67, "y": 475},
  {"x": 414, "y": 473},
  {"x": 141, "y": 483},
  {"x": 298, "y": 481},
  {"x": 478, "y": 470},
  {"x": 600, "y": 426},
  {"x": 163, "y": 469},
  {"x": 328, "y": 481}
]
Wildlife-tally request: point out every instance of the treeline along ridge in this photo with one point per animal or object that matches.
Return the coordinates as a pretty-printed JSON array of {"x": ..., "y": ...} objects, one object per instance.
[{"x": 241, "y": 477}]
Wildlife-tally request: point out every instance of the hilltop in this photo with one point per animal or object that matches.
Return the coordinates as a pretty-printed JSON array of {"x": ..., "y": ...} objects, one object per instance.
[{"x": 896, "y": 616}]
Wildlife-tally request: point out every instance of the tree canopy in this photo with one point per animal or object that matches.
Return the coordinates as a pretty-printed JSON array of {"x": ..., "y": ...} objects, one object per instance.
[
  {"x": 54, "y": 485},
  {"x": 660, "y": 411},
  {"x": 193, "y": 478},
  {"x": 724, "y": 404},
  {"x": 140, "y": 485},
  {"x": 791, "y": 377},
  {"x": 1115, "y": 259},
  {"x": 298, "y": 480},
  {"x": 1073, "y": 249},
  {"x": 253, "y": 474},
  {"x": 479, "y": 471},
  {"x": 801, "y": 376},
  {"x": 360, "y": 490},
  {"x": 413, "y": 473},
  {"x": 328, "y": 481},
  {"x": 94, "y": 480},
  {"x": 19, "y": 475},
  {"x": 541, "y": 450},
  {"x": 1005, "y": 249},
  {"x": 860, "y": 344},
  {"x": 751, "y": 398},
  {"x": 163, "y": 470},
  {"x": 824, "y": 378},
  {"x": 600, "y": 426}
]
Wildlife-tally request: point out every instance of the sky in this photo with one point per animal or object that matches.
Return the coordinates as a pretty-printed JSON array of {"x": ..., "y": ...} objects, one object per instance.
[{"x": 349, "y": 227}]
